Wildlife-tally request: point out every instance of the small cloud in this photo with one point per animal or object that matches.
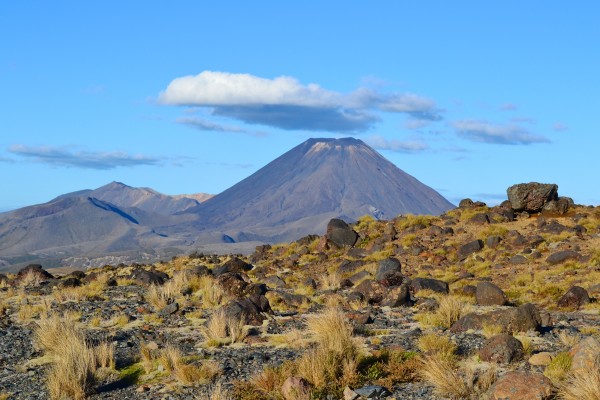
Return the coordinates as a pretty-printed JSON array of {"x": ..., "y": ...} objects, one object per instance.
[
  {"x": 508, "y": 107},
  {"x": 6, "y": 160},
  {"x": 285, "y": 103},
  {"x": 484, "y": 132},
  {"x": 380, "y": 143},
  {"x": 206, "y": 125},
  {"x": 61, "y": 157},
  {"x": 559, "y": 127}
]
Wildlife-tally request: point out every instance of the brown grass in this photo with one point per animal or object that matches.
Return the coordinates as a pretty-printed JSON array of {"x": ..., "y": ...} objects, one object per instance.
[
  {"x": 584, "y": 385},
  {"x": 437, "y": 344},
  {"x": 223, "y": 329}
]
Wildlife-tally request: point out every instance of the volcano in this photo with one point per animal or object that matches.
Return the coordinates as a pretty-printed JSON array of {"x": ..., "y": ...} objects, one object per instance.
[{"x": 297, "y": 193}]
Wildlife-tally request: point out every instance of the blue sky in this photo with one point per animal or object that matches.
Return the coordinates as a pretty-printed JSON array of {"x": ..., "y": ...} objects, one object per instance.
[{"x": 469, "y": 97}]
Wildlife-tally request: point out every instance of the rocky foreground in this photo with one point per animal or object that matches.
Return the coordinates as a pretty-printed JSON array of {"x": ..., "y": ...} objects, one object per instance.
[{"x": 480, "y": 302}]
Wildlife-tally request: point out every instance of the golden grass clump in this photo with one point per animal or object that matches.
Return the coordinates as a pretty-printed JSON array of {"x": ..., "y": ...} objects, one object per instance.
[
  {"x": 583, "y": 385},
  {"x": 438, "y": 345},
  {"x": 451, "y": 309},
  {"x": 224, "y": 329},
  {"x": 74, "y": 361},
  {"x": 559, "y": 367},
  {"x": 174, "y": 363}
]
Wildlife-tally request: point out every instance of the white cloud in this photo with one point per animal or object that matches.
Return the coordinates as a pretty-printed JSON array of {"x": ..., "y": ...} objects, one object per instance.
[
  {"x": 484, "y": 132},
  {"x": 210, "y": 88},
  {"x": 62, "y": 157},
  {"x": 285, "y": 103},
  {"x": 381, "y": 143}
]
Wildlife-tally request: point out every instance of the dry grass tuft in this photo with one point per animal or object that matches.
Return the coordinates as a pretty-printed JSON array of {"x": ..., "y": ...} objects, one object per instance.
[
  {"x": 438, "y": 345},
  {"x": 584, "y": 385},
  {"x": 567, "y": 339},
  {"x": 559, "y": 367},
  {"x": 451, "y": 309},
  {"x": 223, "y": 329}
]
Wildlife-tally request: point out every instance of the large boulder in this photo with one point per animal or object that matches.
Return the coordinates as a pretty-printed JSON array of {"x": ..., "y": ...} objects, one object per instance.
[
  {"x": 145, "y": 277},
  {"x": 520, "y": 319},
  {"x": 34, "y": 270},
  {"x": 562, "y": 256},
  {"x": 502, "y": 348},
  {"x": 469, "y": 248},
  {"x": 341, "y": 233},
  {"x": 531, "y": 197},
  {"x": 434, "y": 285},
  {"x": 574, "y": 298},
  {"x": 251, "y": 308},
  {"x": 585, "y": 355},
  {"x": 232, "y": 265},
  {"x": 518, "y": 385},
  {"x": 398, "y": 296},
  {"x": 557, "y": 207},
  {"x": 488, "y": 294},
  {"x": 389, "y": 272},
  {"x": 371, "y": 291}
]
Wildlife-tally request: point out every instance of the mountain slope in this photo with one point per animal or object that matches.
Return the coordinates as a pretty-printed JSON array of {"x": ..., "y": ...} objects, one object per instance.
[
  {"x": 298, "y": 192},
  {"x": 145, "y": 199}
]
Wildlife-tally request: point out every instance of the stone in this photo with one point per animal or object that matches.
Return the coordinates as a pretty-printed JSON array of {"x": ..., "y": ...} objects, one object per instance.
[
  {"x": 169, "y": 309},
  {"x": 340, "y": 233},
  {"x": 518, "y": 385},
  {"x": 488, "y": 294},
  {"x": 434, "y": 285},
  {"x": 274, "y": 281},
  {"x": 518, "y": 259},
  {"x": 585, "y": 355},
  {"x": 250, "y": 308},
  {"x": 294, "y": 388},
  {"x": 556, "y": 207},
  {"x": 520, "y": 319},
  {"x": 70, "y": 282},
  {"x": 574, "y": 298},
  {"x": 531, "y": 197},
  {"x": 480, "y": 219},
  {"x": 372, "y": 392},
  {"x": 233, "y": 283},
  {"x": 502, "y": 349},
  {"x": 469, "y": 290},
  {"x": 562, "y": 256},
  {"x": 540, "y": 359},
  {"x": 145, "y": 277},
  {"x": 398, "y": 296},
  {"x": 232, "y": 265},
  {"x": 350, "y": 394},
  {"x": 469, "y": 248},
  {"x": 34, "y": 270},
  {"x": 493, "y": 241},
  {"x": 389, "y": 272},
  {"x": 372, "y": 291}
]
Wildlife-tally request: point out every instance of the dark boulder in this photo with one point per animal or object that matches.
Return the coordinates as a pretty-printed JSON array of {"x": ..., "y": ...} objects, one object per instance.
[
  {"x": 520, "y": 319},
  {"x": 341, "y": 233},
  {"x": 503, "y": 348},
  {"x": 372, "y": 291},
  {"x": 574, "y": 298},
  {"x": 435, "y": 285},
  {"x": 70, "y": 282},
  {"x": 562, "y": 256},
  {"x": 234, "y": 284},
  {"x": 531, "y": 197},
  {"x": 232, "y": 265},
  {"x": 488, "y": 294},
  {"x": 251, "y": 309},
  {"x": 145, "y": 277},
  {"x": 34, "y": 270},
  {"x": 398, "y": 296},
  {"x": 557, "y": 207},
  {"x": 389, "y": 272},
  {"x": 469, "y": 248}
]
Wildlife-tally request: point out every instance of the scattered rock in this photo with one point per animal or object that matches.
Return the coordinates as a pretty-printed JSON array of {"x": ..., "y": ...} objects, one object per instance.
[
  {"x": 295, "y": 388},
  {"x": 467, "y": 249},
  {"x": 518, "y": 385},
  {"x": 147, "y": 278},
  {"x": 34, "y": 270},
  {"x": 540, "y": 359},
  {"x": 389, "y": 272},
  {"x": 340, "y": 233},
  {"x": 435, "y": 285},
  {"x": 372, "y": 392},
  {"x": 502, "y": 348},
  {"x": 531, "y": 197},
  {"x": 397, "y": 296},
  {"x": 488, "y": 294},
  {"x": 585, "y": 355},
  {"x": 574, "y": 298},
  {"x": 562, "y": 256},
  {"x": 232, "y": 265},
  {"x": 169, "y": 309}
]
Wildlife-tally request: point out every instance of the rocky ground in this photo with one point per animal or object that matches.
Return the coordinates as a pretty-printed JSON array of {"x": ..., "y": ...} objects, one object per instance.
[{"x": 481, "y": 302}]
